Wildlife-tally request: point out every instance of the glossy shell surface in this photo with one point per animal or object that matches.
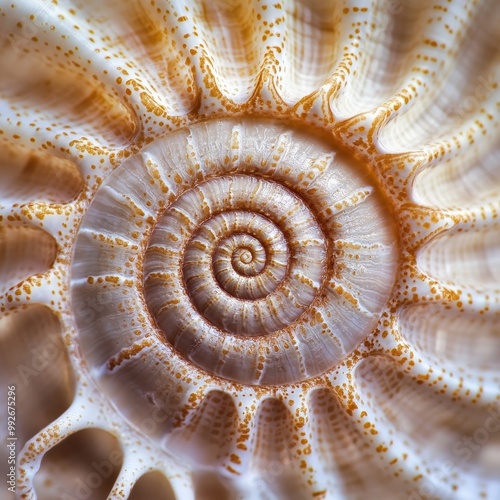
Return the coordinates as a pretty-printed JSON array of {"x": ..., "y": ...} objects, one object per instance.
[{"x": 251, "y": 249}]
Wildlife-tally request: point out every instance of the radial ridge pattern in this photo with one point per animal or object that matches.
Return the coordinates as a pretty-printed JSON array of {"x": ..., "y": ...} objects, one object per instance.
[{"x": 250, "y": 249}]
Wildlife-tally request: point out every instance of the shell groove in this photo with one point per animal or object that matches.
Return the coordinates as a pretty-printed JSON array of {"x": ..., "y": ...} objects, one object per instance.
[{"x": 250, "y": 249}]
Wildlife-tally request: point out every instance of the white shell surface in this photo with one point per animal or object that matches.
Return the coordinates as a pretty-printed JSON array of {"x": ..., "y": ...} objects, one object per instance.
[{"x": 251, "y": 249}]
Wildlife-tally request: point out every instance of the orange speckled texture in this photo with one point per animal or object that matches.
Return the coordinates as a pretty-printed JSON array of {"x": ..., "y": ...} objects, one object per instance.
[{"x": 142, "y": 142}]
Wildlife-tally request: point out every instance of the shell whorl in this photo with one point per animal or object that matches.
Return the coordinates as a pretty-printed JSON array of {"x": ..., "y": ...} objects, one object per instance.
[
  {"x": 330, "y": 172},
  {"x": 260, "y": 243}
]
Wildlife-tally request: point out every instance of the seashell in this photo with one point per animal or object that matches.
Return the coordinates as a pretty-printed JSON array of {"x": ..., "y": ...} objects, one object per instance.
[{"x": 250, "y": 249}]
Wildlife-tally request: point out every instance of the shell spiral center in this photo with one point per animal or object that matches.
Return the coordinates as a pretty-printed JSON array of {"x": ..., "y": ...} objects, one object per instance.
[{"x": 254, "y": 251}]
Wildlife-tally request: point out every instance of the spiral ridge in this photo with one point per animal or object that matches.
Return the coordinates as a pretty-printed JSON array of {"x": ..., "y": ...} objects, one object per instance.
[
  {"x": 260, "y": 245},
  {"x": 234, "y": 204}
]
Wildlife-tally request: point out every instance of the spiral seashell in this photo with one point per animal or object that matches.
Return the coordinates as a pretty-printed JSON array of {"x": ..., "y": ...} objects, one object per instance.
[
  {"x": 245, "y": 271},
  {"x": 250, "y": 250}
]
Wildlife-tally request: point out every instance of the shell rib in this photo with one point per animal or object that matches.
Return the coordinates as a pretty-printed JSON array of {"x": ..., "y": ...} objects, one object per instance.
[{"x": 251, "y": 249}]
